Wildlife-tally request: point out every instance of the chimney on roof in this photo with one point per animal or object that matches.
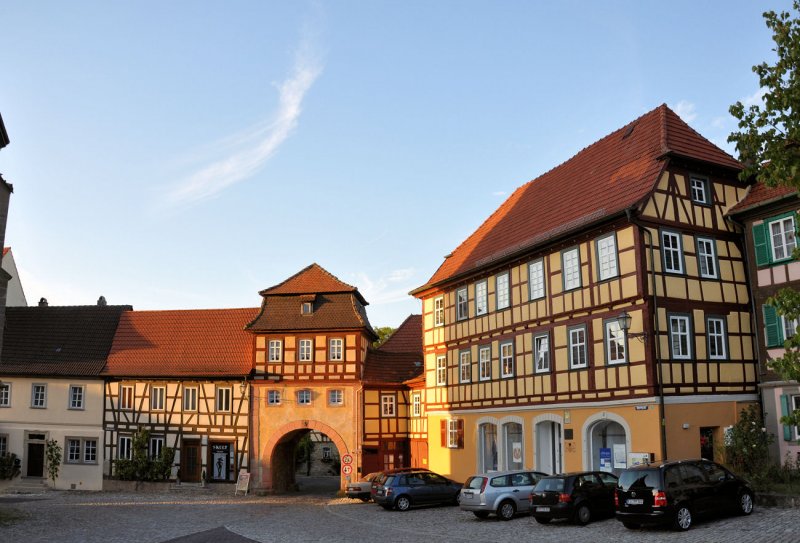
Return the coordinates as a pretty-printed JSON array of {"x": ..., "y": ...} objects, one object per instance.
[
  {"x": 43, "y": 302},
  {"x": 102, "y": 301}
]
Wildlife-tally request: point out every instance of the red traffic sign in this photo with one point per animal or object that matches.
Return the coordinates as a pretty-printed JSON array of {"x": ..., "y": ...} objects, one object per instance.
[
  {"x": 347, "y": 459},
  {"x": 347, "y": 469}
]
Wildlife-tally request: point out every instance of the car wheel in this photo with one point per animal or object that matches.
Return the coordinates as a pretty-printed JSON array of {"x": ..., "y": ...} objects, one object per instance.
[
  {"x": 631, "y": 525},
  {"x": 506, "y": 510},
  {"x": 583, "y": 515},
  {"x": 543, "y": 520},
  {"x": 745, "y": 503},
  {"x": 683, "y": 518},
  {"x": 402, "y": 503},
  {"x": 481, "y": 514}
]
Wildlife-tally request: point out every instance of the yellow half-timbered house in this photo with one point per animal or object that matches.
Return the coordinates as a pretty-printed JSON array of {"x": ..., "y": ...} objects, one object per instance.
[{"x": 598, "y": 317}]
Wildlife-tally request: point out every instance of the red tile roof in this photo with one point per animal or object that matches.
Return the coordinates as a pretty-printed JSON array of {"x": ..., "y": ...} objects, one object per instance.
[
  {"x": 59, "y": 341},
  {"x": 407, "y": 338},
  {"x": 331, "y": 312},
  {"x": 603, "y": 179},
  {"x": 759, "y": 195},
  {"x": 6, "y": 250},
  {"x": 400, "y": 357},
  {"x": 313, "y": 279},
  {"x": 183, "y": 343}
]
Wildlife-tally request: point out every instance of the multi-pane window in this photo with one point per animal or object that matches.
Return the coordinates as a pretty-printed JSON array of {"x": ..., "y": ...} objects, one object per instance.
[
  {"x": 73, "y": 450},
  {"x": 156, "y": 444},
  {"x": 335, "y": 397},
  {"x": 715, "y": 330},
  {"x": 304, "y": 397},
  {"x": 571, "y": 268},
  {"x": 76, "y": 393},
  {"x": 90, "y": 451},
  {"x": 274, "y": 397},
  {"x": 80, "y": 450},
  {"x": 536, "y": 279},
  {"x": 503, "y": 290},
  {"x": 464, "y": 367},
  {"x": 157, "y": 395},
  {"x": 454, "y": 433},
  {"x": 607, "y": 257},
  {"x": 541, "y": 350},
  {"x": 275, "y": 350},
  {"x": 39, "y": 395},
  {"x": 190, "y": 399},
  {"x": 441, "y": 370},
  {"x": 438, "y": 311},
  {"x": 388, "y": 405},
  {"x": 679, "y": 338},
  {"x": 223, "y": 400},
  {"x": 125, "y": 448},
  {"x": 485, "y": 363},
  {"x": 3, "y": 445},
  {"x": 672, "y": 252},
  {"x": 616, "y": 352},
  {"x": 481, "y": 297},
  {"x": 578, "y": 356},
  {"x": 777, "y": 328},
  {"x": 789, "y": 327},
  {"x": 306, "y": 346},
  {"x": 5, "y": 395},
  {"x": 335, "y": 349},
  {"x": 462, "y": 307},
  {"x": 782, "y": 236},
  {"x": 126, "y": 397},
  {"x": 707, "y": 258},
  {"x": 416, "y": 404},
  {"x": 699, "y": 190},
  {"x": 506, "y": 359}
]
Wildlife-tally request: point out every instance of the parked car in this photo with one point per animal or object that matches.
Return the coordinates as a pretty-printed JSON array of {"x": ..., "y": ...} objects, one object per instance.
[
  {"x": 578, "y": 497},
  {"x": 504, "y": 493},
  {"x": 382, "y": 475},
  {"x": 675, "y": 492},
  {"x": 403, "y": 490},
  {"x": 362, "y": 488}
]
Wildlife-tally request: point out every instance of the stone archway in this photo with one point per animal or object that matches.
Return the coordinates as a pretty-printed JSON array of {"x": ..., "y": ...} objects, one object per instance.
[{"x": 277, "y": 455}]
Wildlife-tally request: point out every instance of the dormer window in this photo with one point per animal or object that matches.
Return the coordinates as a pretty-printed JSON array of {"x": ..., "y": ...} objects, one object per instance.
[{"x": 307, "y": 308}]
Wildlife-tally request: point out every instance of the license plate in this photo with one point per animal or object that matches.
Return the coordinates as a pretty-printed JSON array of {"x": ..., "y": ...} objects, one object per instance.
[
  {"x": 634, "y": 502},
  {"x": 379, "y": 492},
  {"x": 468, "y": 494},
  {"x": 542, "y": 509}
]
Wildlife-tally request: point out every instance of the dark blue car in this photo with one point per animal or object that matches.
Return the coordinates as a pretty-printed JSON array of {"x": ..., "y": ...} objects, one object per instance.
[{"x": 402, "y": 491}]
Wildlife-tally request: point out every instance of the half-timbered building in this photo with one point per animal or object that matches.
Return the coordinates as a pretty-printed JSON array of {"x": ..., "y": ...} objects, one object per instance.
[
  {"x": 182, "y": 375},
  {"x": 599, "y": 315}
]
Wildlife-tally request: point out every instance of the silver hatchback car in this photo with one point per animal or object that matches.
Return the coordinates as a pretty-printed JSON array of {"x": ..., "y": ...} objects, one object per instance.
[{"x": 504, "y": 493}]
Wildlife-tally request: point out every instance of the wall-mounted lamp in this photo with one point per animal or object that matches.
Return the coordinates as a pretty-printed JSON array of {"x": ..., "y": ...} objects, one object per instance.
[
  {"x": 685, "y": 426},
  {"x": 624, "y": 321},
  {"x": 243, "y": 387}
]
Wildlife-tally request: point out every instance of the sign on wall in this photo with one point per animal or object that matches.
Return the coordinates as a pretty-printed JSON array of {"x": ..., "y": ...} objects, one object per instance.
[
  {"x": 605, "y": 459},
  {"x": 220, "y": 461}
]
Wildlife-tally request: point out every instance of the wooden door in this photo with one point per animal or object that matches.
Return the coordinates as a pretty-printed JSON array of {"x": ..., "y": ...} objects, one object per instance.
[
  {"x": 35, "y": 460},
  {"x": 190, "y": 461}
]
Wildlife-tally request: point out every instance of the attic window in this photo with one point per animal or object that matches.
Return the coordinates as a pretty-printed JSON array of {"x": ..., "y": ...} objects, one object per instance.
[{"x": 307, "y": 308}]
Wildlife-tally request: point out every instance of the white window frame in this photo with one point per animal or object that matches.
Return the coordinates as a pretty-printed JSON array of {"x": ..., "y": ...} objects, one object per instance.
[
  {"x": 719, "y": 337},
  {"x": 789, "y": 327},
  {"x": 125, "y": 445},
  {"x": 571, "y": 268},
  {"x": 336, "y": 349},
  {"x": 336, "y": 397},
  {"x": 388, "y": 405},
  {"x": 675, "y": 251},
  {"x": 416, "y": 404},
  {"x": 438, "y": 311},
  {"x": 481, "y": 297},
  {"x": 77, "y": 397},
  {"x": 5, "y": 395},
  {"x": 485, "y": 363},
  {"x": 87, "y": 448},
  {"x": 39, "y": 401},
  {"x": 190, "y": 395},
  {"x": 155, "y": 446},
  {"x": 507, "y": 359},
  {"x": 304, "y": 397},
  {"x": 306, "y": 308},
  {"x": 786, "y": 245},
  {"x": 464, "y": 367},
  {"x": 677, "y": 334},
  {"x": 224, "y": 398},
  {"x": 73, "y": 450},
  {"x": 502, "y": 290},
  {"x": 607, "y": 257},
  {"x": 275, "y": 350},
  {"x": 126, "y": 395},
  {"x": 536, "y": 283},
  {"x": 796, "y": 406},
  {"x": 699, "y": 184},
  {"x": 305, "y": 350},
  {"x": 452, "y": 433},
  {"x": 462, "y": 304},
  {"x": 158, "y": 395},
  {"x": 614, "y": 334},
  {"x": 707, "y": 254},
  {"x": 578, "y": 350},
  {"x": 441, "y": 370},
  {"x": 539, "y": 356},
  {"x": 273, "y": 397}
]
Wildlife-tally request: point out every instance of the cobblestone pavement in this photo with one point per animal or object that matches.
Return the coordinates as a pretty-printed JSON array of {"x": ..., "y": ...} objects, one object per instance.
[{"x": 105, "y": 517}]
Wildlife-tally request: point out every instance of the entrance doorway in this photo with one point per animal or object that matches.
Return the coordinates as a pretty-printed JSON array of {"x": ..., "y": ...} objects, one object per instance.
[
  {"x": 306, "y": 461},
  {"x": 548, "y": 447},
  {"x": 608, "y": 447},
  {"x": 707, "y": 443},
  {"x": 190, "y": 461},
  {"x": 35, "y": 460}
]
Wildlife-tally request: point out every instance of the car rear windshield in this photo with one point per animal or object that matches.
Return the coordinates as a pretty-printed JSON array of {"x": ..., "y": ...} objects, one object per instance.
[
  {"x": 549, "y": 485},
  {"x": 387, "y": 481},
  {"x": 474, "y": 483},
  {"x": 639, "y": 478}
]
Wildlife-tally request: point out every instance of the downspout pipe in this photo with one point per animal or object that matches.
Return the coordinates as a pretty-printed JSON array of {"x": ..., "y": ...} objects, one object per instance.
[{"x": 630, "y": 214}]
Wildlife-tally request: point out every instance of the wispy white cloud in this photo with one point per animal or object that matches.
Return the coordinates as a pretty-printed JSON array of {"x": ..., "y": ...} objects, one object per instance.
[
  {"x": 389, "y": 288},
  {"x": 249, "y": 150},
  {"x": 499, "y": 193},
  {"x": 755, "y": 99},
  {"x": 685, "y": 110},
  {"x": 719, "y": 122}
]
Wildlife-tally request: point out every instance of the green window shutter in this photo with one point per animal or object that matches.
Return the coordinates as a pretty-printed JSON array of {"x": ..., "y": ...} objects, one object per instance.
[
  {"x": 787, "y": 430},
  {"x": 772, "y": 326},
  {"x": 761, "y": 244}
]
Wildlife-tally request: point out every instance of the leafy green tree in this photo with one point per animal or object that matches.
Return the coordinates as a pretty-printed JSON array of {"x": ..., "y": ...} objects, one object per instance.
[
  {"x": 384, "y": 332},
  {"x": 747, "y": 445},
  {"x": 53, "y": 452}
]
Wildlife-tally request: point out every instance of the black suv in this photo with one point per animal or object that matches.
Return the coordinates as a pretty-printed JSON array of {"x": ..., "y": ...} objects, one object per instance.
[
  {"x": 674, "y": 492},
  {"x": 579, "y": 497}
]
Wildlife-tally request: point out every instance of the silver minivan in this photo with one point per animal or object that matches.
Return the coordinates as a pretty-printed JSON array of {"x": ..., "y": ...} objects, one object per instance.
[{"x": 502, "y": 492}]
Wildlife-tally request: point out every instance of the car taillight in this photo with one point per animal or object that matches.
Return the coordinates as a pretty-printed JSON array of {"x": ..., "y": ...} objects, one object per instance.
[
  {"x": 564, "y": 498},
  {"x": 616, "y": 498},
  {"x": 659, "y": 499},
  {"x": 389, "y": 491},
  {"x": 483, "y": 484}
]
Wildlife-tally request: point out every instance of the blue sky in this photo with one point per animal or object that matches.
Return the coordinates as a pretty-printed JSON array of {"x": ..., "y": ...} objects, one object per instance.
[{"x": 187, "y": 154}]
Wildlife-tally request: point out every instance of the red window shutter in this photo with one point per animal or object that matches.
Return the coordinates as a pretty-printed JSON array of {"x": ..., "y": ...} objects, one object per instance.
[
  {"x": 444, "y": 432},
  {"x": 460, "y": 433}
]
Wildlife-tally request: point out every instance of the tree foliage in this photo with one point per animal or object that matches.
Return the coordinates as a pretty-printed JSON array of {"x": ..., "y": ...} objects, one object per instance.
[
  {"x": 747, "y": 444},
  {"x": 53, "y": 452},
  {"x": 768, "y": 140},
  {"x": 141, "y": 467},
  {"x": 384, "y": 332}
]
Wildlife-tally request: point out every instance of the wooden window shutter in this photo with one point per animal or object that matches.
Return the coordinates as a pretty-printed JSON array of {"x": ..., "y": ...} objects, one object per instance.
[
  {"x": 460, "y": 430},
  {"x": 761, "y": 244},
  {"x": 444, "y": 432},
  {"x": 785, "y": 410},
  {"x": 772, "y": 326}
]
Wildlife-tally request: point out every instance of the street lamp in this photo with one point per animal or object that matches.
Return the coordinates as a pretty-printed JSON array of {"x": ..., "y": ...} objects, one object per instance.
[{"x": 624, "y": 321}]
